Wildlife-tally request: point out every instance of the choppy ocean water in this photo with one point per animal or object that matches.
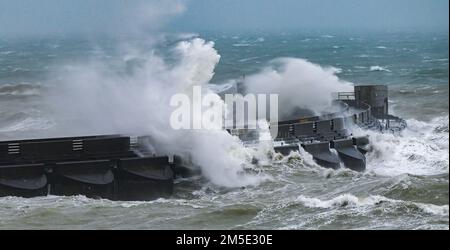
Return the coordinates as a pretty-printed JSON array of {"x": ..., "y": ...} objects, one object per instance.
[{"x": 405, "y": 185}]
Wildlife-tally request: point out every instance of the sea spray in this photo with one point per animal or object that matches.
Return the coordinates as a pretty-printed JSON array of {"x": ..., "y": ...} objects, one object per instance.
[
  {"x": 421, "y": 149},
  {"x": 299, "y": 83},
  {"x": 106, "y": 101},
  {"x": 100, "y": 100}
]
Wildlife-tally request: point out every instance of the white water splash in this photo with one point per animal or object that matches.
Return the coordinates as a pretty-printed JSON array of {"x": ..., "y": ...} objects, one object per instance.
[
  {"x": 98, "y": 99},
  {"x": 379, "y": 68},
  {"x": 299, "y": 84},
  {"x": 421, "y": 149},
  {"x": 349, "y": 200}
]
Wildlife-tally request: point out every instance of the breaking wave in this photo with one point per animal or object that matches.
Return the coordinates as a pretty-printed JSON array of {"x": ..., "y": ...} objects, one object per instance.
[
  {"x": 292, "y": 78},
  {"x": 139, "y": 103},
  {"x": 379, "y": 68},
  {"x": 421, "y": 149},
  {"x": 352, "y": 201},
  {"x": 19, "y": 122},
  {"x": 20, "y": 89}
]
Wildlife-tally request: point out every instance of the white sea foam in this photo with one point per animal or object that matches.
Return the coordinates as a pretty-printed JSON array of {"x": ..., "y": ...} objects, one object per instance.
[
  {"x": 138, "y": 103},
  {"x": 434, "y": 209},
  {"x": 379, "y": 68},
  {"x": 28, "y": 123},
  {"x": 339, "y": 201},
  {"x": 299, "y": 83},
  {"x": 242, "y": 45},
  {"x": 349, "y": 200},
  {"x": 421, "y": 149}
]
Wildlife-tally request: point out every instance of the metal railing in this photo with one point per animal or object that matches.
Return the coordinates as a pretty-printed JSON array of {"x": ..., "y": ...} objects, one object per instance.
[
  {"x": 344, "y": 108},
  {"x": 346, "y": 95}
]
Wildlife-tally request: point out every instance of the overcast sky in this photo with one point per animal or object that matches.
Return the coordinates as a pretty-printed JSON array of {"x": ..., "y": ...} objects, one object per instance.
[{"x": 92, "y": 16}]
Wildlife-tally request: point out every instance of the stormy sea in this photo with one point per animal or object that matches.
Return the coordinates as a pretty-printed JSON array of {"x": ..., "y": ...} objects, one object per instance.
[{"x": 63, "y": 86}]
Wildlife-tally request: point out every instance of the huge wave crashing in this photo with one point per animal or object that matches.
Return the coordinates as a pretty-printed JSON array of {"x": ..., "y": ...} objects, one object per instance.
[{"x": 94, "y": 97}]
